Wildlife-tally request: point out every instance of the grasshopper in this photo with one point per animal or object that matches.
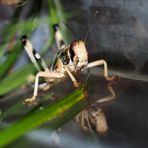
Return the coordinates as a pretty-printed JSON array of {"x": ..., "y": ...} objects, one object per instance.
[{"x": 69, "y": 60}]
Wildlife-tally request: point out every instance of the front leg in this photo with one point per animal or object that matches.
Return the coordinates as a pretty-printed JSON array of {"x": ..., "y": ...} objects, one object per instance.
[
  {"x": 76, "y": 84},
  {"x": 50, "y": 75},
  {"x": 102, "y": 62},
  {"x": 112, "y": 95}
]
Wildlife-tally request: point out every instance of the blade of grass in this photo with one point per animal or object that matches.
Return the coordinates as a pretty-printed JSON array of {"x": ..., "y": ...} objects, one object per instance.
[
  {"x": 19, "y": 108},
  {"x": 6, "y": 66},
  {"x": 54, "y": 113},
  {"x": 16, "y": 79}
]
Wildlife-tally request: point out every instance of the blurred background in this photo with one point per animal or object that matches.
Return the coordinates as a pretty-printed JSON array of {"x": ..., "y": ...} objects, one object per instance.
[{"x": 118, "y": 33}]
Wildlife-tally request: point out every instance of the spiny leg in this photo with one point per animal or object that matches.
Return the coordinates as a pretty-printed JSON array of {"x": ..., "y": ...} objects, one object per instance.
[
  {"x": 50, "y": 75},
  {"x": 98, "y": 63}
]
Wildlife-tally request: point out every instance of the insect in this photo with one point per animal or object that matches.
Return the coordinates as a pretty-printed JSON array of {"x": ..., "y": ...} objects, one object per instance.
[
  {"x": 93, "y": 116},
  {"x": 69, "y": 60}
]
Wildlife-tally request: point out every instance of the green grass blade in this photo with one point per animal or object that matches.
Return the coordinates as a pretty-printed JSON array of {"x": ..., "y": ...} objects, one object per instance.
[
  {"x": 16, "y": 79},
  {"x": 5, "y": 67},
  {"x": 57, "y": 114}
]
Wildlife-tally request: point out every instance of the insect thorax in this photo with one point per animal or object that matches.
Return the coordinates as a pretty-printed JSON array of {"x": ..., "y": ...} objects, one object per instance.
[{"x": 64, "y": 57}]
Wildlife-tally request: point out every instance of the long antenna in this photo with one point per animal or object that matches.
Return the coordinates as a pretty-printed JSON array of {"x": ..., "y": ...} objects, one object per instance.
[
  {"x": 86, "y": 34},
  {"x": 75, "y": 35}
]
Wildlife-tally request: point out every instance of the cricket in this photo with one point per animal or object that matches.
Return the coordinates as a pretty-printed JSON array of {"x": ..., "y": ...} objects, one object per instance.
[{"x": 69, "y": 60}]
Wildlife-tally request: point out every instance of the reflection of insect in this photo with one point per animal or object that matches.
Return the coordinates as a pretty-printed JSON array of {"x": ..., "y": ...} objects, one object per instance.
[
  {"x": 69, "y": 59},
  {"x": 93, "y": 117}
]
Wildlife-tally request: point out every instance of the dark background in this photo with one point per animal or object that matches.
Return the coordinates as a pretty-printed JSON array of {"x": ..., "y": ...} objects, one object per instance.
[
  {"x": 118, "y": 30},
  {"x": 118, "y": 33}
]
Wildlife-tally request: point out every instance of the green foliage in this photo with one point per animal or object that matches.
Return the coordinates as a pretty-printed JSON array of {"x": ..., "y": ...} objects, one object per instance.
[
  {"x": 57, "y": 114},
  {"x": 16, "y": 79},
  {"x": 12, "y": 79}
]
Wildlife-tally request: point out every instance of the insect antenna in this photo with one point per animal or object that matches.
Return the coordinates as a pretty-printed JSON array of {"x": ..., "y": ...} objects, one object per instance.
[
  {"x": 86, "y": 35},
  {"x": 74, "y": 34},
  {"x": 85, "y": 84}
]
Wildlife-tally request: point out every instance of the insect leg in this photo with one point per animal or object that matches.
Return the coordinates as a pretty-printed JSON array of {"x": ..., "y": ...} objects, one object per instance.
[
  {"x": 76, "y": 84},
  {"x": 98, "y": 63},
  {"x": 44, "y": 86},
  {"x": 50, "y": 75},
  {"x": 58, "y": 37},
  {"x": 36, "y": 59},
  {"x": 108, "y": 98},
  {"x": 112, "y": 78}
]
